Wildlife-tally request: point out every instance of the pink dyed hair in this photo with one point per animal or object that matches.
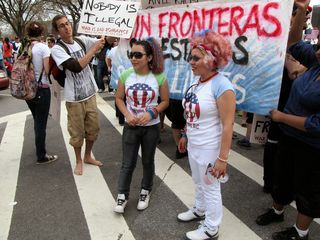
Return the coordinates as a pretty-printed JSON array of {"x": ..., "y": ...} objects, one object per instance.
[{"x": 216, "y": 44}]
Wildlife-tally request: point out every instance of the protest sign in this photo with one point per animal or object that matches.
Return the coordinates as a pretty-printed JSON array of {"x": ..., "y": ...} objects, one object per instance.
[
  {"x": 146, "y": 4},
  {"x": 55, "y": 102},
  {"x": 257, "y": 31},
  {"x": 108, "y": 18},
  {"x": 260, "y": 129}
]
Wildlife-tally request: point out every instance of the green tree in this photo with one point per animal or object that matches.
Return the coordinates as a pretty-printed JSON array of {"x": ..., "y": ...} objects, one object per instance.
[{"x": 70, "y": 8}]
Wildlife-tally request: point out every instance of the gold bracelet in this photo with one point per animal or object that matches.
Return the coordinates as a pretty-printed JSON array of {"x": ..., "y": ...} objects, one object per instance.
[{"x": 222, "y": 160}]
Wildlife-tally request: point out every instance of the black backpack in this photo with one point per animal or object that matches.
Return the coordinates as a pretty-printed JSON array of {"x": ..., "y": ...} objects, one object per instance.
[{"x": 60, "y": 75}]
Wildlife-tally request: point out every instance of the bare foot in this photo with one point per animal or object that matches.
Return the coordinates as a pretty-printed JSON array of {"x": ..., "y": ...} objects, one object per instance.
[
  {"x": 93, "y": 162},
  {"x": 78, "y": 169}
]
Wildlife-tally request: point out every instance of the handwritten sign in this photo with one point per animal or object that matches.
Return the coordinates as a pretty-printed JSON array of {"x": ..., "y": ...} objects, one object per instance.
[
  {"x": 108, "y": 17},
  {"x": 260, "y": 129},
  {"x": 257, "y": 31},
  {"x": 146, "y": 4}
]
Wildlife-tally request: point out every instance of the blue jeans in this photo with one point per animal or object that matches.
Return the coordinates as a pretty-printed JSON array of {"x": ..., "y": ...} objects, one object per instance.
[
  {"x": 133, "y": 137},
  {"x": 101, "y": 72},
  {"x": 39, "y": 107}
]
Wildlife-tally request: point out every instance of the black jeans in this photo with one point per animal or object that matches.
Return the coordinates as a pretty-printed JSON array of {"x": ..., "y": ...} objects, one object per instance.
[
  {"x": 133, "y": 137},
  {"x": 101, "y": 72},
  {"x": 39, "y": 107}
]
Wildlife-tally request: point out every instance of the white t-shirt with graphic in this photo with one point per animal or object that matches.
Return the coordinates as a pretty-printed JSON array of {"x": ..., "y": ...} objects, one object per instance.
[
  {"x": 201, "y": 112},
  {"x": 78, "y": 86},
  {"x": 142, "y": 92},
  {"x": 39, "y": 52}
]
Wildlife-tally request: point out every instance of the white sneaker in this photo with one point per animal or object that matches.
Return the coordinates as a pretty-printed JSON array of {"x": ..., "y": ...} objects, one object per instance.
[
  {"x": 143, "y": 199},
  {"x": 120, "y": 203},
  {"x": 190, "y": 215},
  {"x": 203, "y": 233}
]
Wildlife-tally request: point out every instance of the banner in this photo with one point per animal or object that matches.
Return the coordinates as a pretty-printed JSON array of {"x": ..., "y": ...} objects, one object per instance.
[
  {"x": 257, "y": 31},
  {"x": 108, "y": 18}
]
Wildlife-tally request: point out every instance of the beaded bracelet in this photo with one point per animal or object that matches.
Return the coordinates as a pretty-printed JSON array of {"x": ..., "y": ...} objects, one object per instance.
[
  {"x": 184, "y": 135},
  {"x": 222, "y": 160},
  {"x": 152, "y": 114}
]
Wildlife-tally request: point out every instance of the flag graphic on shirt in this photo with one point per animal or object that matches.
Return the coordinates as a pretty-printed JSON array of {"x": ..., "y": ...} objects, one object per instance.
[
  {"x": 140, "y": 95},
  {"x": 191, "y": 107}
]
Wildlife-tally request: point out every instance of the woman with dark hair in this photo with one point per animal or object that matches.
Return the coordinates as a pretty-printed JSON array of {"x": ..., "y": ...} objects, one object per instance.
[
  {"x": 209, "y": 106},
  {"x": 141, "y": 85},
  {"x": 39, "y": 106},
  {"x": 7, "y": 50}
]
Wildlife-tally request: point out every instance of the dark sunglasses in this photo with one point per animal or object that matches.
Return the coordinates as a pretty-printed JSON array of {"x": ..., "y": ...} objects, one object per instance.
[
  {"x": 316, "y": 47},
  {"x": 136, "y": 55},
  {"x": 193, "y": 58}
]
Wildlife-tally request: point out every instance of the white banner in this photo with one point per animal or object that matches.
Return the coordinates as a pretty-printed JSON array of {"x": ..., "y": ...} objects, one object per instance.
[{"x": 258, "y": 33}]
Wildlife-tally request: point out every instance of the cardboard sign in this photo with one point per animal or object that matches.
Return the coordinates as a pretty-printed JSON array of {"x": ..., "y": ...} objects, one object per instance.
[
  {"x": 55, "y": 103},
  {"x": 260, "y": 129},
  {"x": 108, "y": 18}
]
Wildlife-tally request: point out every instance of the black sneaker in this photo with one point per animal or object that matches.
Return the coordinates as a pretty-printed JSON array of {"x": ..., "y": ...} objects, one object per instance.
[
  {"x": 244, "y": 142},
  {"x": 269, "y": 217},
  {"x": 288, "y": 234},
  {"x": 48, "y": 159}
]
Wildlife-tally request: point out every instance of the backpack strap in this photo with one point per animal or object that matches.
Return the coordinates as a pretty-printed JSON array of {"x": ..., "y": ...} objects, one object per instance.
[
  {"x": 40, "y": 77},
  {"x": 64, "y": 46},
  {"x": 81, "y": 43}
]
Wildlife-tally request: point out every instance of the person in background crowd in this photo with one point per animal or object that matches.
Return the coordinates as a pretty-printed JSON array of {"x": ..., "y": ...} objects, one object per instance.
[
  {"x": 274, "y": 133},
  {"x": 111, "y": 55},
  {"x": 7, "y": 50},
  {"x": 8, "y": 67},
  {"x": 297, "y": 165},
  {"x": 102, "y": 67},
  {"x": 79, "y": 89},
  {"x": 51, "y": 42},
  {"x": 245, "y": 142},
  {"x": 16, "y": 47},
  {"x": 39, "y": 106},
  {"x": 209, "y": 106},
  {"x": 175, "y": 114},
  {"x": 141, "y": 85}
]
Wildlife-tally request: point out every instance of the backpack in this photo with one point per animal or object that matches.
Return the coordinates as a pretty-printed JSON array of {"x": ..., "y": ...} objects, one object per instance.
[
  {"x": 23, "y": 84},
  {"x": 58, "y": 74}
]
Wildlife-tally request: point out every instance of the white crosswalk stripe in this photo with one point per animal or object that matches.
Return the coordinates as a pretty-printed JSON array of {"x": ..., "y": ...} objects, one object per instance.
[
  {"x": 177, "y": 180},
  {"x": 94, "y": 191},
  {"x": 95, "y": 200},
  {"x": 12, "y": 142}
]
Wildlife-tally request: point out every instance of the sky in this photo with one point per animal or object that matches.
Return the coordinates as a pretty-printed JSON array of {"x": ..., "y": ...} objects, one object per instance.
[{"x": 313, "y": 2}]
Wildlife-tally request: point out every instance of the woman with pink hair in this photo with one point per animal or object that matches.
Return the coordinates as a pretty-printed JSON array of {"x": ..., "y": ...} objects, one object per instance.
[{"x": 209, "y": 106}]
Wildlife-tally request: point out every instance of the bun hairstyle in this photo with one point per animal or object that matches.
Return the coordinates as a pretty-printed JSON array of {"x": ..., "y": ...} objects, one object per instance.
[
  {"x": 215, "y": 47},
  {"x": 152, "y": 48},
  {"x": 35, "y": 29}
]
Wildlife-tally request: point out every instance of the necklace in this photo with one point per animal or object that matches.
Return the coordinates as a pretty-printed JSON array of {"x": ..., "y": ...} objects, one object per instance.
[{"x": 208, "y": 78}]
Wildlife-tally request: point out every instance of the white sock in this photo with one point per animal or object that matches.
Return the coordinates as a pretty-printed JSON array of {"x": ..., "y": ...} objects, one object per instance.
[
  {"x": 277, "y": 211},
  {"x": 302, "y": 233}
]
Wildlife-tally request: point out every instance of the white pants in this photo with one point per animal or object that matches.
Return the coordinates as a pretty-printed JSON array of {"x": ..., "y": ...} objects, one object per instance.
[{"x": 208, "y": 197}]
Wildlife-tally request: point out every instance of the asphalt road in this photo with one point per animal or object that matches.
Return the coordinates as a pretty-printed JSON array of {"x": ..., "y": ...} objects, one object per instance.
[{"x": 49, "y": 202}]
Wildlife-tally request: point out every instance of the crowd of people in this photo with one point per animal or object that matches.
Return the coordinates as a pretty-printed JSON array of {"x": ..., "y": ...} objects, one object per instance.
[{"x": 202, "y": 122}]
